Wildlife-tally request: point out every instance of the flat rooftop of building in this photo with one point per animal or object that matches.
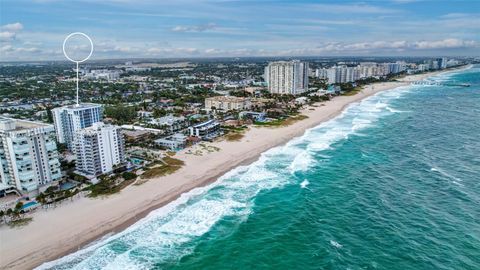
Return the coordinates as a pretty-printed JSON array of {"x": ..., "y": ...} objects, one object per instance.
[
  {"x": 135, "y": 133},
  {"x": 11, "y": 124},
  {"x": 227, "y": 98},
  {"x": 82, "y": 106},
  {"x": 211, "y": 122}
]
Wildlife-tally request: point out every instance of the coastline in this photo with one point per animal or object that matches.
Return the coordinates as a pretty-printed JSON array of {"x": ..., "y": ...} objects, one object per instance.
[{"x": 55, "y": 233}]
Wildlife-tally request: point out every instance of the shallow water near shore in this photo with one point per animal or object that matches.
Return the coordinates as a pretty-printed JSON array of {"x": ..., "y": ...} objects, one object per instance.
[{"x": 391, "y": 183}]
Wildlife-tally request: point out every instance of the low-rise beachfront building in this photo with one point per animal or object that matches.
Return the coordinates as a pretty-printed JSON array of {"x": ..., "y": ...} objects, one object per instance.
[
  {"x": 257, "y": 116},
  {"x": 301, "y": 100},
  {"x": 174, "y": 142},
  {"x": 254, "y": 90},
  {"x": 28, "y": 156},
  {"x": 170, "y": 122},
  {"x": 144, "y": 114},
  {"x": 227, "y": 103},
  {"x": 69, "y": 119},
  {"x": 99, "y": 149},
  {"x": 206, "y": 131},
  {"x": 103, "y": 74}
]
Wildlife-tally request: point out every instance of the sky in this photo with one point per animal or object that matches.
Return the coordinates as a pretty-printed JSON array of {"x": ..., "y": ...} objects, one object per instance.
[{"x": 36, "y": 29}]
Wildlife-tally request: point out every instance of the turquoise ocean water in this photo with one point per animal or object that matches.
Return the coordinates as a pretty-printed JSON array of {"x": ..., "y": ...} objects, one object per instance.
[{"x": 392, "y": 183}]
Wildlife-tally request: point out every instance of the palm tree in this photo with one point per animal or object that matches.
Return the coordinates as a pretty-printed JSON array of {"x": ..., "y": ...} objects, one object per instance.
[
  {"x": 41, "y": 198},
  {"x": 67, "y": 193},
  {"x": 9, "y": 212},
  {"x": 19, "y": 206}
]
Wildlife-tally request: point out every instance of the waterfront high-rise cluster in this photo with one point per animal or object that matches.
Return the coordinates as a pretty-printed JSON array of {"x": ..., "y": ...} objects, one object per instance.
[
  {"x": 69, "y": 119},
  {"x": 29, "y": 160},
  {"x": 287, "y": 77},
  {"x": 345, "y": 74},
  {"x": 98, "y": 148}
]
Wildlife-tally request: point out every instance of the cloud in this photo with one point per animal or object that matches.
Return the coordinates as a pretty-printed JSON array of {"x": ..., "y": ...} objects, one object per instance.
[
  {"x": 405, "y": 1},
  {"x": 7, "y": 36},
  {"x": 401, "y": 45},
  {"x": 445, "y": 44},
  {"x": 13, "y": 27},
  {"x": 194, "y": 28},
  {"x": 6, "y": 48},
  {"x": 11, "y": 49},
  {"x": 9, "y": 31},
  {"x": 352, "y": 8},
  {"x": 337, "y": 48},
  {"x": 106, "y": 50}
]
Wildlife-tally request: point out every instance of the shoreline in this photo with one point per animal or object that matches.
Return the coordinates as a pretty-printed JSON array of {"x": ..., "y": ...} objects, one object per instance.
[{"x": 39, "y": 242}]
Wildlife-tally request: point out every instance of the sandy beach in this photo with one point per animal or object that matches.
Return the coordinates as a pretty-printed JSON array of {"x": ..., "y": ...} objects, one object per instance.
[{"x": 67, "y": 228}]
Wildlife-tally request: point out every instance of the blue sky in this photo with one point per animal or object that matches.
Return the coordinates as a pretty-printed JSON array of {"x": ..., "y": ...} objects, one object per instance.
[{"x": 35, "y": 29}]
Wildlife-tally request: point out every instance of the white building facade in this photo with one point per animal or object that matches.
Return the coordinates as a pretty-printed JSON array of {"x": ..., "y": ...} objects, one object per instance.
[
  {"x": 71, "y": 118},
  {"x": 227, "y": 103},
  {"x": 98, "y": 149},
  {"x": 344, "y": 74},
  {"x": 28, "y": 156},
  {"x": 206, "y": 131},
  {"x": 174, "y": 142},
  {"x": 287, "y": 77}
]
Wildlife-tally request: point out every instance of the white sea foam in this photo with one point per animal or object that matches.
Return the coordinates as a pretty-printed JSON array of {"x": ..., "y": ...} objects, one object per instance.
[
  {"x": 447, "y": 175},
  {"x": 392, "y": 110},
  {"x": 168, "y": 232},
  {"x": 304, "y": 184},
  {"x": 335, "y": 244},
  {"x": 301, "y": 162}
]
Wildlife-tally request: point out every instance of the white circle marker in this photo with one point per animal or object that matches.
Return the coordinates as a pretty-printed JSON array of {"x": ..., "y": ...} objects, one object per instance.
[{"x": 77, "y": 61}]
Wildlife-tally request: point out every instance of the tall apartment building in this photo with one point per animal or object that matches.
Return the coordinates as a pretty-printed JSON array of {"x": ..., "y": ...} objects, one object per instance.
[
  {"x": 332, "y": 75},
  {"x": 69, "y": 119},
  {"x": 321, "y": 73},
  {"x": 287, "y": 77},
  {"x": 28, "y": 156},
  {"x": 344, "y": 74},
  {"x": 442, "y": 62},
  {"x": 98, "y": 149},
  {"x": 227, "y": 103}
]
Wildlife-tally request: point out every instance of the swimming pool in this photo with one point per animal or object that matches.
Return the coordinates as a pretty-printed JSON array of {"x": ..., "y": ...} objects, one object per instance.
[
  {"x": 137, "y": 161},
  {"x": 29, "y": 205}
]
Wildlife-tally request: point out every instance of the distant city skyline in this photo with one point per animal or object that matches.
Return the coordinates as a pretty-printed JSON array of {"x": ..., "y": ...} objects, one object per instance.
[{"x": 35, "y": 29}]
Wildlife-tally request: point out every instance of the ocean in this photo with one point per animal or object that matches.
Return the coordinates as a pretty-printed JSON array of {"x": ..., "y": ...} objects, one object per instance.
[{"x": 391, "y": 183}]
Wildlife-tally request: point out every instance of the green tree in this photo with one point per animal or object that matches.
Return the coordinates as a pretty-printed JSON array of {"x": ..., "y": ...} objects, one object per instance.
[
  {"x": 129, "y": 175},
  {"x": 9, "y": 212},
  {"x": 49, "y": 115},
  {"x": 19, "y": 206},
  {"x": 41, "y": 198},
  {"x": 159, "y": 112},
  {"x": 120, "y": 113}
]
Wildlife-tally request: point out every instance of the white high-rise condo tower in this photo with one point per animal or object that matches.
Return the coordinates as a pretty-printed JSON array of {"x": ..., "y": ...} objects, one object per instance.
[
  {"x": 71, "y": 118},
  {"x": 28, "y": 156},
  {"x": 98, "y": 149},
  {"x": 287, "y": 77}
]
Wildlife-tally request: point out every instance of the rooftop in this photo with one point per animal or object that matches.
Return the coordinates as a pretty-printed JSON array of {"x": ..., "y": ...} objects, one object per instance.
[
  {"x": 11, "y": 124},
  {"x": 96, "y": 127},
  {"x": 226, "y": 98},
  {"x": 208, "y": 123},
  {"x": 81, "y": 106}
]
